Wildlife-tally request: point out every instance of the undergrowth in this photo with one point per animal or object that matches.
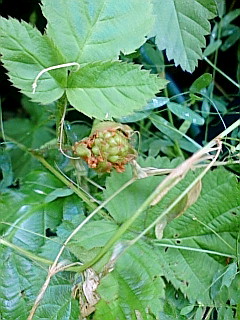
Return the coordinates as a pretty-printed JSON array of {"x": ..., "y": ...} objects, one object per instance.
[{"x": 120, "y": 181}]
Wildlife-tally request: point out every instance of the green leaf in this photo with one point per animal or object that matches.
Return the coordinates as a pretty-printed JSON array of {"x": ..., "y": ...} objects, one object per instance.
[
  {"x": 229, "y": 275},
  {"x": 88, "y": 31},
  {"x": 136, "y": 193},
  {"x": 228, "y": 18},
  {"x": 212, "y": 223},
  {"x": 231, "y": 40},
  {"x": 201, "y": 83},
  {"x": 187, "y": 309},
  {"x": 31, "y": 133},
  {"x": 86, "y": 244},
  {"x": 20, "y": 282},
  {"x": 180, "y": 29},
  {"x": 137, "y": 286},
  {"x": 212, "y": 47},
  {"x": 111, "y": 89},
  {"x": 185, "y": 113},
  {"x": 59, "y": 192},
  {"x": 146, "y": 111},
  {"x": 25, "y": 53},
  {"x": 25, "y": 219},
  {"x": 25, "y": 132},
  {"x": 58, "y": 303},
  {"x": 6, "y": 170}
]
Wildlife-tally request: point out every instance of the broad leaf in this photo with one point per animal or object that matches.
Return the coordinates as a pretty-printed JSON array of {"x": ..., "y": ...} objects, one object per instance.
[
  {"x": 32, "y": 133},
  {"x": 25, "y": 53},
  {"x": 180, "y": 29},
  {"x": 94, "y": 30},
  {"x": 212, "y": 223},
  {"x": 27, "y": 133},
  {"x": 25, "y": 219},
  {"x": 136, "y": 193},
  {"x": 134, "y": 287},
  {"x": 20, "y": 282},
  {"x": 185, "y": 113},
  {"x": 90, "y": 239},
  {"x": 28, "y": 213},
  {"x": 111, "y": 89}
]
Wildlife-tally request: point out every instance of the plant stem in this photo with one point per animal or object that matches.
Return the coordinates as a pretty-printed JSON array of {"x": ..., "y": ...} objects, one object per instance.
[
  {"x": 57, "y": 174},
  {"x": 69, "y": 184},
  {"x": 159, "y": 189},
  {"x": 26, "y": 253},
  {"x": 61, "y": 107},
  {"x": 165, "y": 245},
  {"x": 222, "y": 73}
]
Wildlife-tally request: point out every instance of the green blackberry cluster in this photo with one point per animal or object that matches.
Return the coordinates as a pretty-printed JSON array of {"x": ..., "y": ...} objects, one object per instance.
[{"x": 107, "y": 148}]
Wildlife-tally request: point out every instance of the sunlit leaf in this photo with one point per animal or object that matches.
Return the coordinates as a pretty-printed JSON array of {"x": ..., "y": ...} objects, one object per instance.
[
  {"x": 111, "y": 89},
  {"x": 88, "y": 31},
  {"x": 25, "y": 53}
]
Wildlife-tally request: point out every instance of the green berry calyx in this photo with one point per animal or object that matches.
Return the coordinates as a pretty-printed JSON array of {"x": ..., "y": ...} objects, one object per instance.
[{"x": 108, "y": 147}]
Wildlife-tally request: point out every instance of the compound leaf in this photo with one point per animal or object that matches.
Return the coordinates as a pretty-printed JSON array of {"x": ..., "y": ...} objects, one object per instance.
[
  {"x": 88, "y": 31},
  {"x": 25, "y": 53},
  {"x": 21, "y": 281},
  {"x": 136, "y": 287},
  {"x": 25, "y": 219},
  {"x": 180, "y": 29},
  {"x": 212, "y": 223},
  {"x": 111, "y": 89}
]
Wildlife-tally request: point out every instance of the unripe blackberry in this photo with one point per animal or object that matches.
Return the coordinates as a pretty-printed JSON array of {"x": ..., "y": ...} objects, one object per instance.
[{"x": 107, "y": 147}]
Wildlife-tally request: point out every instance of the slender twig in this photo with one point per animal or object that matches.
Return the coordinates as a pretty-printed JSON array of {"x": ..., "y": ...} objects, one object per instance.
[
  {"x": 54, "y": 267},
  {"x": 222, "y": 73},
  {"x": 165, "y": 245},
  {"x": 26, "y": 253}
]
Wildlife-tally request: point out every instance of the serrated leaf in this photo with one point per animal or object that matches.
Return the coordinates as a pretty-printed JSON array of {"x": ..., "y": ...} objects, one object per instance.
[
  {"x": 25, "y": 219},
  {"x": 180, "y": 29},
  {"x": 27, "y": 133},
  {"x": 94, "y": 30},
  {"x": 137, "y": 286},
  {"x": 185, "y": 113},
  {"x": 111, "y": 89},
  {"x": 136, "y": 193},
  {"x": 20, "y": 282},
  {"x": 212, "y": 223},
  {"x": 25, "y": 53}
]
